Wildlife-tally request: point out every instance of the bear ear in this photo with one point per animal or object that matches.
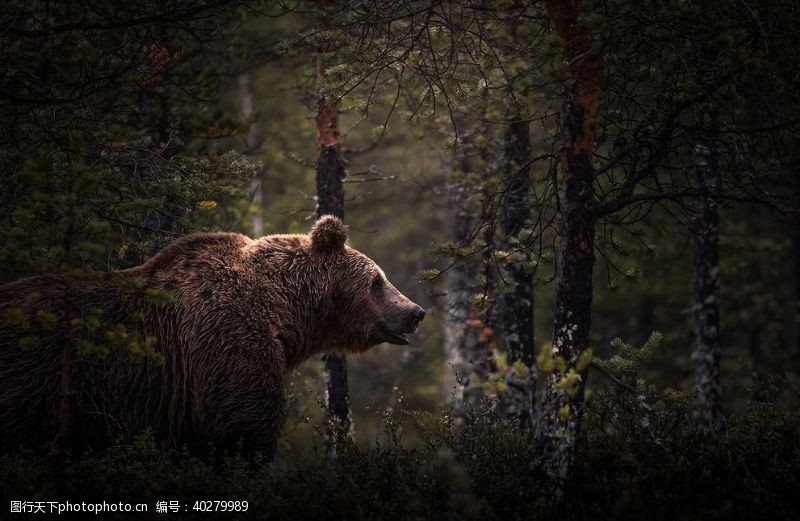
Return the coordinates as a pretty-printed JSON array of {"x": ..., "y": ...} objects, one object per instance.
[{"x": 328, "y": 234}]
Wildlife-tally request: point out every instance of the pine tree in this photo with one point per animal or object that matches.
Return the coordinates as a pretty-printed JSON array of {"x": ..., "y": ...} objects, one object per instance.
[{"x": 330, "y": 201}]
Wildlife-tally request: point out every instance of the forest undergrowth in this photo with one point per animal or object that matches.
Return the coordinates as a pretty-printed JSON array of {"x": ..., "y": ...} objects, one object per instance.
[{"x": 639, "y": 455}]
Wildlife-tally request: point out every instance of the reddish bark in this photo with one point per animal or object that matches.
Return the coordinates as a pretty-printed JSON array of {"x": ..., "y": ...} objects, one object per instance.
[
  {"x": 330, "y": 201},
  {"x": 559, "y": 413}
]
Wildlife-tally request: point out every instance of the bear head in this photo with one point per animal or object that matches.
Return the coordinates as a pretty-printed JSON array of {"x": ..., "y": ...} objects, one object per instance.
[{"x": 365, "y": 309}]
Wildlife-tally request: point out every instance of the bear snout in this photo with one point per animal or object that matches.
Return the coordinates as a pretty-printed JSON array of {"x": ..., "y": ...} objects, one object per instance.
[
  {"x": 417, "y": 314},
  {"x": 406, "y": 322}
]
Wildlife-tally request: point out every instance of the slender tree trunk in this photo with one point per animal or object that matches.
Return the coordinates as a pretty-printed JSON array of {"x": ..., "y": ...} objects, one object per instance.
[
  {"x": 558, "y": 413},
  {"x": 513, "y": 307},
  {"x": 467, "y": 338},
  {"x": 330, "y": 201},
  {"x": 457, "y": 301},
  {"x": 705, "y": 285},
  {"x": 761, "y": 392},
  {"x": 794, "y": 165},
  {"x": 797, "y": 296},
  {"x": 251, "y": 142}
]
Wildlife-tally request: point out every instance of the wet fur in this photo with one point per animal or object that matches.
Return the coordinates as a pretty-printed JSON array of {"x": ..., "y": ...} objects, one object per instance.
[{"x": 244, "y": 312}]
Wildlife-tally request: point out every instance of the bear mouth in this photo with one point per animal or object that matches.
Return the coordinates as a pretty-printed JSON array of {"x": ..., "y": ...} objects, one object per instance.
[{"x": 395, "y": 338}]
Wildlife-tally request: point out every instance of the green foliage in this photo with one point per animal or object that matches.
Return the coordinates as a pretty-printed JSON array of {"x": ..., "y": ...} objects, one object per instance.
[
  {"x": 159, "y": 297},
  {"x": 430, "y": 274},
  {"x": 548, "y": 361},
  {"x": 629, "y": 357},
  {"x": 100, "y": 165}
]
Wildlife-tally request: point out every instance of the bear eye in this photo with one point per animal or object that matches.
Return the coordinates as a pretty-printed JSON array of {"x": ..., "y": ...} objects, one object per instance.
[{"x": 377, "y": 283}]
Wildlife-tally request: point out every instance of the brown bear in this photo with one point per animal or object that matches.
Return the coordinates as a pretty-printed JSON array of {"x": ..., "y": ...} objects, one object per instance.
[{"x": 242, "y": 312}]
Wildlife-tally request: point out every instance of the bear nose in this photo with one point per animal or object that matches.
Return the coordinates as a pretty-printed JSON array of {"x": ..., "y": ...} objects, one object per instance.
[{"x": 418, "y": 314}]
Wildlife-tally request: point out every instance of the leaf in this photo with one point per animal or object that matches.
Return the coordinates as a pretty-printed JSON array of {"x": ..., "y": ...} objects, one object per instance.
[
  {"x": 570, "y": 383},
  {"x": 159, "y": 297},
  {"x": 521, "y": 369},
  {"x": 429, "y": 274},
  {"x": 501, "y": 361},
  {"x": 207, "y": 204},
  {"x": 46, "y": 319},
  {"x": 584, "y": 360}
]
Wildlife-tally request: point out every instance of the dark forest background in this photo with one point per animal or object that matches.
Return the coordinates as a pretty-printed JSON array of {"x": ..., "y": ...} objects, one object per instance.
[{"x": 595, "y": 201}]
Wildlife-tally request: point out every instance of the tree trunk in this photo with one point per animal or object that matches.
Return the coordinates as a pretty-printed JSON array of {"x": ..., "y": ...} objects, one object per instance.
[
  {"x": 797, "y": 296},
  {"x": 457, "y": 301},
  {"x": 794, "y": 165},
  {"x": 467, "y": 338},
  {"x": 705, "y": 285},
  {"x": 330, "y": 201},
  {"x": 558, "y": 413},
  {"x": 761, "y": 390},
  {"x": 252, "y": 144},
  {"x": 513, "y": 307}
]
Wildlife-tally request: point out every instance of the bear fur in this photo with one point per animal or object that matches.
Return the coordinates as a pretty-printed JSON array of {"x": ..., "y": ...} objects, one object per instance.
[{"x": 242, "y": 313}]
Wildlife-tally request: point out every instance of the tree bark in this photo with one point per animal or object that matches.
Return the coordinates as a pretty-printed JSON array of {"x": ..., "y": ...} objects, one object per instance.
[
  {"x": 559, "y": 411},
  {"x": 517, "y": 298},
  {"x": 514, "y": 296},
  {"x": 468, "y": 356},
  {"x": 794, "y": 165},
  {"x": 705, "y": 285},
  {"x": 457, "y": 301},
  {"x": 330, "y": 201},
  {"x": 761, "y": 390},
  {"x": 252, "y": 144},
  {"x": 797, "y": 296}
]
